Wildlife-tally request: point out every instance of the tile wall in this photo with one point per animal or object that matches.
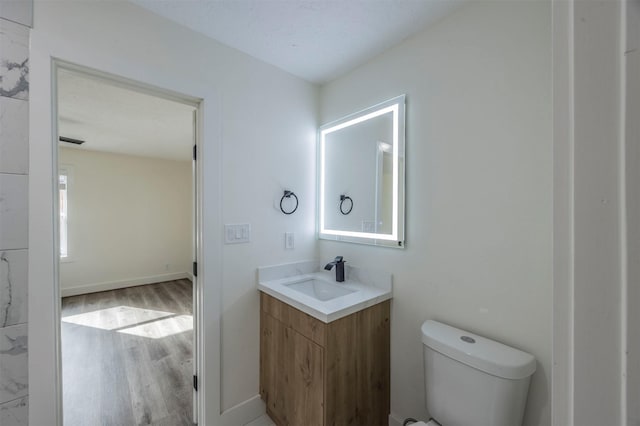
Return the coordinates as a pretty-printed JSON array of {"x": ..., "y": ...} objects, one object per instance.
[{"x": 15, "y": 21}]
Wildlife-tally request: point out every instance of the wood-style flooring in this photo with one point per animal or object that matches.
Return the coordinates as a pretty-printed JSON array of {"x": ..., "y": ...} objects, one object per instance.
[{"x": 127, "y": 356}]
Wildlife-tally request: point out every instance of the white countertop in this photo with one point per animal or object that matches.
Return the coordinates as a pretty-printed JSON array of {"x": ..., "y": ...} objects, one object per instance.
[{"x": 366, "y": 292}]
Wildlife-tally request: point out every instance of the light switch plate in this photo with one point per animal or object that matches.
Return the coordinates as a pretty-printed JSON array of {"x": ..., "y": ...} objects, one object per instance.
[{"x": 237, "y": 233}]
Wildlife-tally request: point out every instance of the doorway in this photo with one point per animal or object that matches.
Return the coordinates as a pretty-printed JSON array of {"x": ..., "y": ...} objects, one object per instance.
[{"x": 127, "y": 242}]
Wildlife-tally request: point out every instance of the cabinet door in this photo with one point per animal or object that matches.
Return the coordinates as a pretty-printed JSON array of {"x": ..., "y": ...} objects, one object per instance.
[
  {"x": 291, "y": 375},
  {"x": 272, "y": 365},
  {"x": 304, "y": 372},
  {"x": 357, "y": 368}
]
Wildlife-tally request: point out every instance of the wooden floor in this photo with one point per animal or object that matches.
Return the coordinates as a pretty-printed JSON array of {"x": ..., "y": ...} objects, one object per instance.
[{"x": 127, "y": 356}]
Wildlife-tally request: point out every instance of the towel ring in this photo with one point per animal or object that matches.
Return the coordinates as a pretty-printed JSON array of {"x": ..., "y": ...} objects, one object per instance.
[
  {"x": 288, "y": 194},
  {"x": 343, "y": 198}
]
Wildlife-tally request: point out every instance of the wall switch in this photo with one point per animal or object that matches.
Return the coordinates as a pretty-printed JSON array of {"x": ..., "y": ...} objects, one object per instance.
[
  {"x": 289, "y": 240},
  {"x": 237, "y": 233}
]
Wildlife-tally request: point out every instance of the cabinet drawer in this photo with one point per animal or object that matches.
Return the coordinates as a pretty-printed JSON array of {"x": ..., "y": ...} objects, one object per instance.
[{"x": 304, "y": 324}]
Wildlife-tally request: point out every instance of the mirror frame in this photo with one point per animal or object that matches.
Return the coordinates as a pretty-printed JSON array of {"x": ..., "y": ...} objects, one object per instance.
[{"x": 397, "y": 237}]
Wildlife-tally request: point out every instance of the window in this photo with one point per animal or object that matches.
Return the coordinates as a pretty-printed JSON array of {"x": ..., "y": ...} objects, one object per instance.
[{"x": 63, "y": 189}]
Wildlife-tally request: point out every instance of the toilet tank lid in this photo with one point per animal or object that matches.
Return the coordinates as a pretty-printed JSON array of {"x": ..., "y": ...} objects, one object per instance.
[{"x": 478, "y": 352}]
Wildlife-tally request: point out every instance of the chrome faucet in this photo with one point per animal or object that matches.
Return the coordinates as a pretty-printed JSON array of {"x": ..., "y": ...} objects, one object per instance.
[{"x": 339, "y": 264}]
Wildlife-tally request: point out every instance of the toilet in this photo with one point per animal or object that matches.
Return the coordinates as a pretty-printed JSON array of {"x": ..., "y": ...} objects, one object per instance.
[{"x": 471, "y": 380}]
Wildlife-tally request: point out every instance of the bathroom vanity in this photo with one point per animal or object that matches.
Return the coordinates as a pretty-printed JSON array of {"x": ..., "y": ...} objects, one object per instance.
[{"x": 326, "y": 363}]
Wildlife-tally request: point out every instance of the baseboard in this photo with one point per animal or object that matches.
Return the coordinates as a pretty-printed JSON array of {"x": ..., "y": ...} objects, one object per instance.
[
  {"x": 252, "y": 408},
  {"x": 395, "y": 420},
  {"x": 114, "y": 285},
  {"x": 244, "y": 413}
]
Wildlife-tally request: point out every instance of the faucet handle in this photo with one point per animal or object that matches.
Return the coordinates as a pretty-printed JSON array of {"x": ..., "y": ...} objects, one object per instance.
[{"x": 338, "y": 259}]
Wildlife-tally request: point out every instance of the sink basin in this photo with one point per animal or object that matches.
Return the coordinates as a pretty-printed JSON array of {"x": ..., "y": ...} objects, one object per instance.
[{"x": 320, "y": 290}]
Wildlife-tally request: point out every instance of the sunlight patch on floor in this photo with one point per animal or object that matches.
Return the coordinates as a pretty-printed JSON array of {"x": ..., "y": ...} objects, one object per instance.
[
  {"x": 135, "y": 321},
  {"x": 162, "y": 327}
]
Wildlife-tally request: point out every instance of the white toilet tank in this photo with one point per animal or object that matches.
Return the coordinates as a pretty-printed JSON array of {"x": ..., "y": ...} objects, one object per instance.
[{"x": 472, "y": 380}]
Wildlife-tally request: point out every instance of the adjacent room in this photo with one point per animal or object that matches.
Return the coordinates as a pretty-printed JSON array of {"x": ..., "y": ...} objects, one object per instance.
[{"x": 126, "y": 208}]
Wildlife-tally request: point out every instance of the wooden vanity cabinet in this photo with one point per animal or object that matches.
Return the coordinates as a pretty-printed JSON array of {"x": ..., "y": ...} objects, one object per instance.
[{"x": 313, "y": 373}]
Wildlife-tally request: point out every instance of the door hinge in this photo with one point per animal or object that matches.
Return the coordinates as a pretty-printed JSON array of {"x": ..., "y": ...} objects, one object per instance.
[
  {"x": 195, "y": 269},
  {"x": 195, "y": 382},
  {"x": 195, "y": 152}
]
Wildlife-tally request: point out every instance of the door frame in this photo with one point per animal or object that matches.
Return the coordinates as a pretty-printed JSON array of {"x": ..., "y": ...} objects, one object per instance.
[{"x": 197, "y": 235}]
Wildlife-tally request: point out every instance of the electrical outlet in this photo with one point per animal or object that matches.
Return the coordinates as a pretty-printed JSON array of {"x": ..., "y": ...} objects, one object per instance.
[{"x": 289, "y": 240}]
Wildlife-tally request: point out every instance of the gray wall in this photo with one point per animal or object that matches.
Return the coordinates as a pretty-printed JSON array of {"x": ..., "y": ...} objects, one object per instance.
[{"x": 14, "y": 169}]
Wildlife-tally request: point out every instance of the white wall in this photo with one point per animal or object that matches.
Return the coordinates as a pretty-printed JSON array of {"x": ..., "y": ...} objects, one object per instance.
[
  {"x": 562, "y": 377},
  {"x": 597, "y": 214},
  {"x": 633, "y": 209},
  {"x": 589, "y": 289},
  {"x": 260, "y": 120},
  {"x": 479, "y": 187},
  {"x": 130, "y": 220}
]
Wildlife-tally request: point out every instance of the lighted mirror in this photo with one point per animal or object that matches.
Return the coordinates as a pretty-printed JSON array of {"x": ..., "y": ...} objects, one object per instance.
[{"x": 361, "y": 176}]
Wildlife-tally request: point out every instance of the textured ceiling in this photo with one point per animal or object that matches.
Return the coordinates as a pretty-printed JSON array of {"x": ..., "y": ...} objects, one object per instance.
[
  {"x": 120, "y": 120},
  {"x": 317, "y": 40}
]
